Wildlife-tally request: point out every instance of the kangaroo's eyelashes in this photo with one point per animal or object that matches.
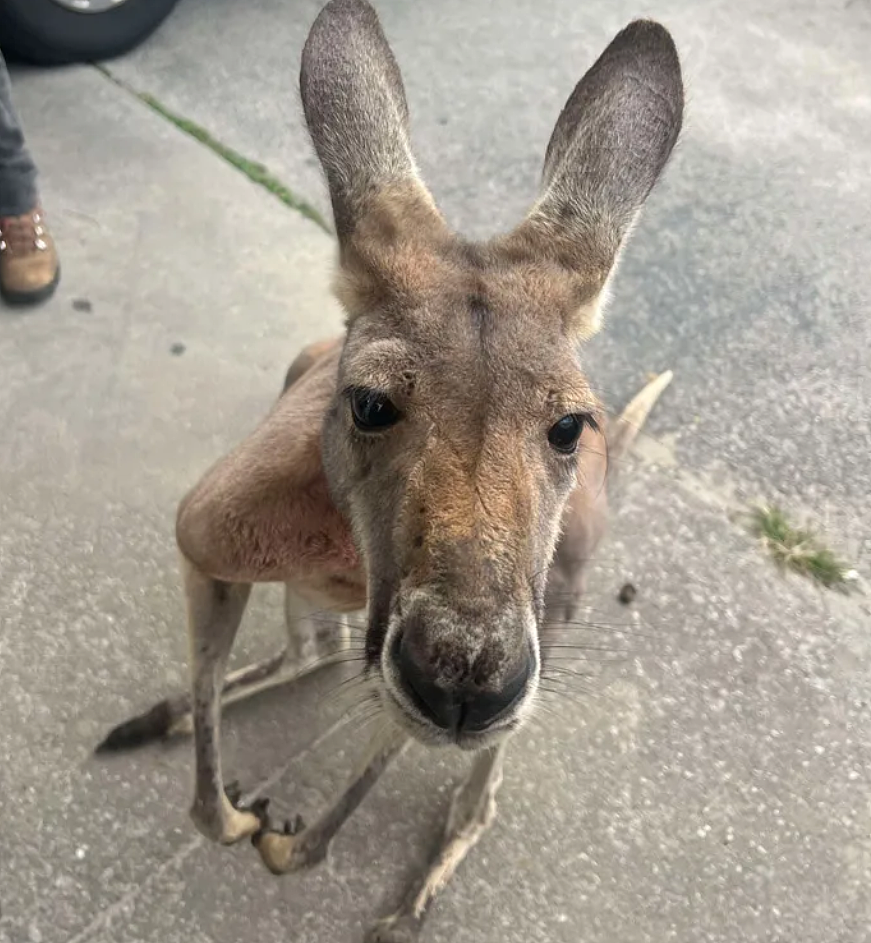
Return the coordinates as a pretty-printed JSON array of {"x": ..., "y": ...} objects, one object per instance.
[
  {"x": 372, "y": 411},
  {"x": 565, "y": 433}
]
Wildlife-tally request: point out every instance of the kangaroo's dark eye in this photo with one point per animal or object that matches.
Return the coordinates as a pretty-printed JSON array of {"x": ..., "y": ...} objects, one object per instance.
[
  {"x": 564, "y": 434},
  {"x": 372, "y": 410}
]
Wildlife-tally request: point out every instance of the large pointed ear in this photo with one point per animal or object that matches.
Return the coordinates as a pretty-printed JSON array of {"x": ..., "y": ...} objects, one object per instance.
[
  {"x": 357, "y": 115},
  {"x": 609, "y": 147}
]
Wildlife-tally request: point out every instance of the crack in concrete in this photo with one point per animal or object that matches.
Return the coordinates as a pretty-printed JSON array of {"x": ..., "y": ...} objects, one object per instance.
[
  {"x": 257, "y": 173},
  {"x": 103, "y": 919}
]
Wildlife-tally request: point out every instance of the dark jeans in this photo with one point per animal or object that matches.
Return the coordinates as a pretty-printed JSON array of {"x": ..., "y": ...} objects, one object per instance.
[{"x": 17, "y": 170}]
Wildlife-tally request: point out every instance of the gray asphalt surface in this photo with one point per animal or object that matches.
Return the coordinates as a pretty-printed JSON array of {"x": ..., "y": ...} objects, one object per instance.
[{"x": 718, "y": 790}]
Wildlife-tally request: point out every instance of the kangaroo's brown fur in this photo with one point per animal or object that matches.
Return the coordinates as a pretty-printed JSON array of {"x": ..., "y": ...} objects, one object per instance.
[{"x": 442, "y": 464}]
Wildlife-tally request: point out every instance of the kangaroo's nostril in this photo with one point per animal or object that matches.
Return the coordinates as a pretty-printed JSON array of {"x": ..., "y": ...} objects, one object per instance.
[
  {"x": 451, "y": 706},
  {"x": 436, "y": 703},
  {"x": 485, "y": 707}
]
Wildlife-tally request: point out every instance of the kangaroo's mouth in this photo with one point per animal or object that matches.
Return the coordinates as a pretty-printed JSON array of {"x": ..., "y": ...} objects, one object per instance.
[{"x": 405, "y": 716}]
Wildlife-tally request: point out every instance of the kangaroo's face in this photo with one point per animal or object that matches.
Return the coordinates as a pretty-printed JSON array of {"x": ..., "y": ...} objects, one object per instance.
[
  {"x": 454, "y": 438},
  {"x": 460, "y": 416}
]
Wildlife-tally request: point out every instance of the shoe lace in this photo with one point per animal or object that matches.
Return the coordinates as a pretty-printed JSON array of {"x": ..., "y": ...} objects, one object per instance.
[{"x": 22, "y": 234}]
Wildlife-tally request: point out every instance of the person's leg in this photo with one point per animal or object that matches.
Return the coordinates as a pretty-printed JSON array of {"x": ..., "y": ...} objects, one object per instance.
[
  {"x": 28, "y": 261},
  {"x": 17, "y": 170}
]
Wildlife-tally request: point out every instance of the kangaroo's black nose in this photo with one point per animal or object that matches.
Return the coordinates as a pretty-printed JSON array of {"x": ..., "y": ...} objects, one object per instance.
[{"x": 457, "y": 706}]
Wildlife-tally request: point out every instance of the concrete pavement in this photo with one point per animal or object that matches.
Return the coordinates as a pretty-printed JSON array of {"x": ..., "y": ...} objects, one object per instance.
[{"x": 718, "y": 791}]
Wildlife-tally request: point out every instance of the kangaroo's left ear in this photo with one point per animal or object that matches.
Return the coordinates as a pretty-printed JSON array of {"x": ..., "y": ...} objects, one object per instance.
[{"x": 608, "y": 149}]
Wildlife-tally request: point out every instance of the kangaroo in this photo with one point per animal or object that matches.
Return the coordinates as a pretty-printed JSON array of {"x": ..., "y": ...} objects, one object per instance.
[{"x": 441, "y": 465}]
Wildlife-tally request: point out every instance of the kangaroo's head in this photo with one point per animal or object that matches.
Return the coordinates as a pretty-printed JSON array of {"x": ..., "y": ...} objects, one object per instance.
[{"x": 461, "y": 411}]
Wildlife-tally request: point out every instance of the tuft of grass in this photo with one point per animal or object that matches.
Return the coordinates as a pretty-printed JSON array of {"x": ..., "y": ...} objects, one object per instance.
[
  {"x": 799, "y": 549},
  {"x": 255, "y": 172}
]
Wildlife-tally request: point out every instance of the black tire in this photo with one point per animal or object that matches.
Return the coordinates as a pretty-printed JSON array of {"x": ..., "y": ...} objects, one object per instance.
[{"x": 46, "y": 33}]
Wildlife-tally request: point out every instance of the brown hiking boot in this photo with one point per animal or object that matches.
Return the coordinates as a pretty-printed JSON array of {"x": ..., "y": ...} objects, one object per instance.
[{"x": 29, "y": 269}]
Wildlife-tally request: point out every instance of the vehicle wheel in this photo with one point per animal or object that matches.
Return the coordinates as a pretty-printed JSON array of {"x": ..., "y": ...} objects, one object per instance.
[{"x": 54, "y": 32}]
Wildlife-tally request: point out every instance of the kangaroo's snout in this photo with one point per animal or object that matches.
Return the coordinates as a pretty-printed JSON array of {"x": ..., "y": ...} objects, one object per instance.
[{"x": 464, "y": 673}]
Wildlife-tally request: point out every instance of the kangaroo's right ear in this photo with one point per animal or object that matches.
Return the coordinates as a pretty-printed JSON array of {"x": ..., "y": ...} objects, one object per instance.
[
  {"x": 357, "y": 115},
  {"x": 608, "y": 148}
]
